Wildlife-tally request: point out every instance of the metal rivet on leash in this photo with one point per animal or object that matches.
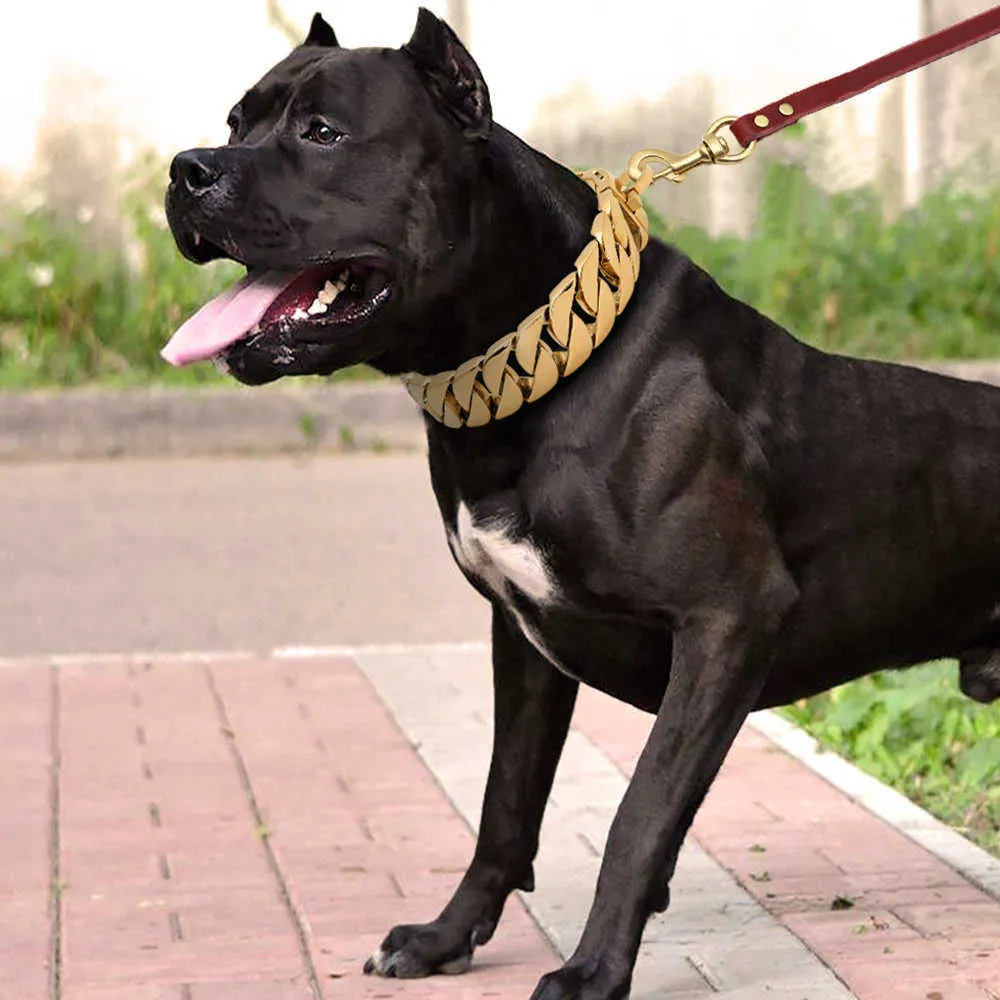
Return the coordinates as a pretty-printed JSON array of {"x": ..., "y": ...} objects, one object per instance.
[{"x": 559, "y": 336}]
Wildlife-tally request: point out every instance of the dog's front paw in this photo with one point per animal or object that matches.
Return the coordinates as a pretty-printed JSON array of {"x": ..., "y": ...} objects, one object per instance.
[
  {"x": 575, "y": 982},
  {"x": 412, "y": 951}
]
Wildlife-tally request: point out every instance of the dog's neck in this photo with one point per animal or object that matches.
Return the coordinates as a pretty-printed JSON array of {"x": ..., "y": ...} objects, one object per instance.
[{"x": 530, "y": 219}]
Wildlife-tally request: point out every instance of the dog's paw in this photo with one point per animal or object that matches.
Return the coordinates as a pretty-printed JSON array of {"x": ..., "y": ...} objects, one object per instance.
[
  {"x": 579, "y": 983},
  {"x": 416, "y": 950}
]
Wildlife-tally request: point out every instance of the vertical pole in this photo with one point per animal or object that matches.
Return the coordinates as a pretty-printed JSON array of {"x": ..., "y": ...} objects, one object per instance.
[
  {"x": 930, "y": 82},
  {"x": 458, "y": 17}
]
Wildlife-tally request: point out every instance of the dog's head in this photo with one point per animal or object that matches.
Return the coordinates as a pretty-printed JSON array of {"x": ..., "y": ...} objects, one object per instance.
[{"x": 345, "y": 190}]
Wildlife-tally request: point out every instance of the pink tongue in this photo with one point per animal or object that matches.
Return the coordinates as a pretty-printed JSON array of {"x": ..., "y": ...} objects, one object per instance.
[{"x": 226, "y": 318}]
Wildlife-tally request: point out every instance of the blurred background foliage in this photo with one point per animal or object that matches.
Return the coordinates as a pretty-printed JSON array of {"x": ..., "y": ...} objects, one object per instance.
[{"x": 84, "y": 299}]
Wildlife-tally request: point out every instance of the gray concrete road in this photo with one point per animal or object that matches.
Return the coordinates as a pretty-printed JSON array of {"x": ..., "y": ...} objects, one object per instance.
[{"x": 223, "y": 554}]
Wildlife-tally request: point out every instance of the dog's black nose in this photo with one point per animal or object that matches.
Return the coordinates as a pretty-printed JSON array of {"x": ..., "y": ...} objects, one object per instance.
[{"x": 196, "y": 169}]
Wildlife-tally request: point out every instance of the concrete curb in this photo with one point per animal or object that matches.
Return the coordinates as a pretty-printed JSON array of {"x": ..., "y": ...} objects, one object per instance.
[
  {"x": 973, "y": 371},
  {"x": 285, "y": 417},
  {"x": 160, "y": 422},
  {"x": 935, "y": 837}
]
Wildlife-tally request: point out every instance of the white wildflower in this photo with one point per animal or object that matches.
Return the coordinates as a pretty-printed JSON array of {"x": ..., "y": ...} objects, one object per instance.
[
  {"x": 41, "y": 275},
  {"x": 135, "y": 257},
  {"x": 85, "y": 215}
]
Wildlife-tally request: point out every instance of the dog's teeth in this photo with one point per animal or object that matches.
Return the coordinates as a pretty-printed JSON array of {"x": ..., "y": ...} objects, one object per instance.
[
  {"x": 317, "y": 307},
  {"x": 300, "y": 314},
  {"x": 196, "y": 239},
  {"x": 328, "y": 294}
]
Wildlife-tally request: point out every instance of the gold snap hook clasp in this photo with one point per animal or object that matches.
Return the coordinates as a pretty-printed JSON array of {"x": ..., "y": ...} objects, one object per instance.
[
  {"x": 714, "y": 148},
  {"x": 719, "y": 145}
]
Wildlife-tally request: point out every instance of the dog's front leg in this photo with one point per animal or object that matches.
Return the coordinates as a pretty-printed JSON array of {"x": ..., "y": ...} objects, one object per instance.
[
  {"x": 718, "y": 668},
  {"x": 533, "y": 705}
]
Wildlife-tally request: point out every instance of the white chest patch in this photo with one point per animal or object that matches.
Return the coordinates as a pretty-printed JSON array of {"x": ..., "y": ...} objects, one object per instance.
[{"x": 490, "y": 552}]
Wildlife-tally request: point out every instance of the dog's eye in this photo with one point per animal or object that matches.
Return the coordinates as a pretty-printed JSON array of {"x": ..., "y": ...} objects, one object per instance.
[{"x": 320, "y": 132}]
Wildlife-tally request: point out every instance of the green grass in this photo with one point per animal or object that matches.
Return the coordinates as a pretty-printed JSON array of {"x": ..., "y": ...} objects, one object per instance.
[{"x": 914, "y": 730}]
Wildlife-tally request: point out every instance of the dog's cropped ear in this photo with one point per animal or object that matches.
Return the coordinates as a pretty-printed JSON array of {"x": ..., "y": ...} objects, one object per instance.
[
  {"x": 320, "y": 33},
  {"x": 450, "y": 74}
]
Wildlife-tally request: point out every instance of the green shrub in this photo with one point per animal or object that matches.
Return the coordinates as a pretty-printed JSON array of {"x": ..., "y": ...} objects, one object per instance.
[
  {"x": 77, "y": 306},
  {"x": 916, "y": 731},
  {"x": 835, "y": 272}
]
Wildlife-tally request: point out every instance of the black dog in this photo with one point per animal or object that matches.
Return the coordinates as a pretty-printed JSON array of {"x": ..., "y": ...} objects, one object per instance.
[{"x": 709, "y": 517}]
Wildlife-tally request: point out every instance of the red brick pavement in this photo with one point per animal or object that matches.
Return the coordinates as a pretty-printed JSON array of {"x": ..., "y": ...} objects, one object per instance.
[
  {"x": 917, "y": 929},
  {"x": 248, "y": 831},
  {"x": 364, "y": 836},
  {"x": 166, "y": 883},
  {"x": 181, "y": 882},
  {"x": 25, "y": 824}
]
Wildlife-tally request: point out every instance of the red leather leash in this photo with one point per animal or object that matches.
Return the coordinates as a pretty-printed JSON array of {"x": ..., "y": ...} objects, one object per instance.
[{"x": 774, "y": 117}]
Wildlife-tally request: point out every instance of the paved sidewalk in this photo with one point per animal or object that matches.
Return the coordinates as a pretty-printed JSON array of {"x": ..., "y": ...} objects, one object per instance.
[
  {"x": 224, "y": 828},
  {"x": 221, "y": 554}
]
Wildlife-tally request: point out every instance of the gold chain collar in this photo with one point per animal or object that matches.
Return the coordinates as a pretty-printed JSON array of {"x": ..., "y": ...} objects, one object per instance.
[{"x": 558, "y": 337}]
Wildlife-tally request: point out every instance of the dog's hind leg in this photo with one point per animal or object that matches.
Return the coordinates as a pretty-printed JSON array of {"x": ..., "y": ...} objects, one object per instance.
[
  {"x": 533, "y": 705},
  {"x": 720, "y": 662}
]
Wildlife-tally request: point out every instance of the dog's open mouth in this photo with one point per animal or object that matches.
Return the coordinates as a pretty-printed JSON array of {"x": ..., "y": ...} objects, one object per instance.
[{"x": 305, "y": 305}]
